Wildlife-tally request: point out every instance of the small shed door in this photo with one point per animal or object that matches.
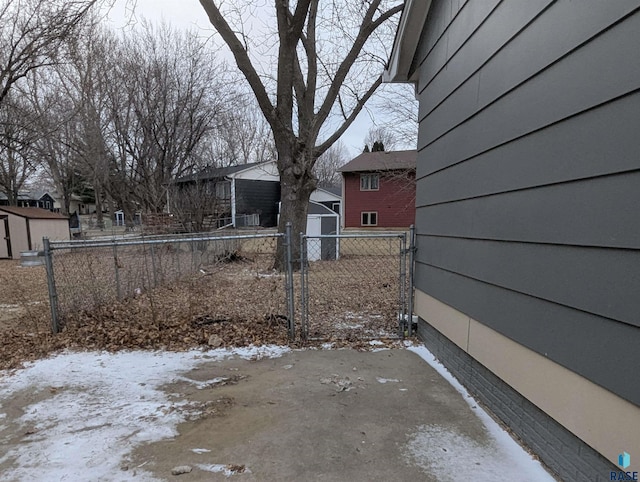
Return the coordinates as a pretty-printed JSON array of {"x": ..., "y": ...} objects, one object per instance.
[
  {"x": 329, "y": 246},
  {"x": 5, "y": 238},
  {"x": 314, "y": 228}
]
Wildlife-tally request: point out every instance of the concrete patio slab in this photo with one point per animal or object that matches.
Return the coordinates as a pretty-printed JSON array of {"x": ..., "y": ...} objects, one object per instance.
[{"x": 333, "y": 415}]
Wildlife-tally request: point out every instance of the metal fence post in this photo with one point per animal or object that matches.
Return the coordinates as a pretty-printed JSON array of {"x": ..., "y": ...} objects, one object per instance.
[
  {"x": 304, "y": 269},
  {"x": 403, "y": 282},
  {"x": 412, "y": 255},
  {"x": 153, "y": 267},
  {"x": 117, "y": 269},
  {"x": 289, "y": 282},
  {"x": 51, "y": 284}
]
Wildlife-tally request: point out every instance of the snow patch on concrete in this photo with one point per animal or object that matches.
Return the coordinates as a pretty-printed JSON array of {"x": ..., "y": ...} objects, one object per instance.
[
  {"x": 93, "y": 409},
  {"x": 200, "y": 451},
  {"x": 502, "y": 459},
  {"x": 224, "y": 469},
  {"x": 387, "y": 380},
  {"x": 449, "y": 455}
]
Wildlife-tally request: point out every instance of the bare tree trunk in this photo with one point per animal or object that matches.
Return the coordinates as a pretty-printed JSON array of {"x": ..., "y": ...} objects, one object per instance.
[
  {"x": 98, "y": 198},
  {"x": 292, "y": 103},
  {"x": 111, "y": 208},
  {"x": 12, "y": 197},
  {"x": 66, "y": 203},
  {"x": 297, "y": 182},
  {"x": 129, "y": 216}
]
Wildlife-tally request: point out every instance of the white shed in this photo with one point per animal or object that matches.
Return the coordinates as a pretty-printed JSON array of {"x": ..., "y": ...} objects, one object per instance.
[{"x": 322, "y": 221}]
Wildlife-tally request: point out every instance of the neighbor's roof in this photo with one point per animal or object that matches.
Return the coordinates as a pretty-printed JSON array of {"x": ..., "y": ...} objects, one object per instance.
[
  {"x": 32, "y": 213},
  {"x": 22, "y": 196},
  {"x": 412, "y": 21},
  {"x": 317, "y": 208},
  {"x": 335, "y": 190},
  {"x": 217, "y": 172},
  {"x": 55, "y": 196},
  {"x": 382, "y": 161}
]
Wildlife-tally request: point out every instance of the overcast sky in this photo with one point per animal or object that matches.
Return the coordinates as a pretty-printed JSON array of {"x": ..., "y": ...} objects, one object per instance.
[{"x": 190, "y": 14}]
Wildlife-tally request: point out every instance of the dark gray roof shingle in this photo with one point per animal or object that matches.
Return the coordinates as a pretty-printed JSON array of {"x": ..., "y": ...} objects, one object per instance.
[{"x": 216, "y": 172}]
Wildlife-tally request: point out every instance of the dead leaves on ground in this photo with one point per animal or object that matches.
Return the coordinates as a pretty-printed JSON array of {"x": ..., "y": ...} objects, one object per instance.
[{"x": 232, "y": 305}]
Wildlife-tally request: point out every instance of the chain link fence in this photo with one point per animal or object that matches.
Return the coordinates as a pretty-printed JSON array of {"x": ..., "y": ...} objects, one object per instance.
[
  {"x": 349, "y": 287},
  {"x": 205, "y": 279},
  {"x": 354, "y": 286}
]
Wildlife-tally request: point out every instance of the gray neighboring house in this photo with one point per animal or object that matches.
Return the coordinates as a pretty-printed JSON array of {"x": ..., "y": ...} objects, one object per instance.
[
  {"x": 528, "y": 233},
  {"x": 25, "y": 200},
  {"x": 242, "y": 192}
]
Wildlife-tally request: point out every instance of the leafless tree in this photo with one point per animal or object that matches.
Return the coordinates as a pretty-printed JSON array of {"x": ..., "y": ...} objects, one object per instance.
[
  {"x": 330, "y": 57},
  {"x": 32, "y": 33},
  {"x": 87, "y": 77},
  {"x": 381, "y": 135},
  {"x": 16, "y": 147},
  {"x": 399, "y": 104},
  {"x": 241, "y": 135},
  {"x": 160, "y": 101},
  {"x": 56, "y": 124},
  {"x": 327, "y": 165},
  {"x": 195, "y": 204}
]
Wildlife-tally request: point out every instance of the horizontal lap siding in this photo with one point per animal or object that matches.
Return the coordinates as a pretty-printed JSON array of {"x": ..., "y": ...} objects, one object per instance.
[
  {"x": 554, "y": 154},
  {"x": 604, "y": 352},
  {"x": 597, "y": 212},
  {"x": 566, "y": 88},
  {"x": 486, "y": 27},
  {"x": 529, "y": 176},
  {"x": 556, "y": 273}
]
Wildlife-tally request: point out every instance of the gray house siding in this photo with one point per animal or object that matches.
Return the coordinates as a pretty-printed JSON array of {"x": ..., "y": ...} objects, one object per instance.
[
  {"x": 259, "y": 197},
  {"x": 528, "y": 229},
  {"x": 528, "y": 176}
]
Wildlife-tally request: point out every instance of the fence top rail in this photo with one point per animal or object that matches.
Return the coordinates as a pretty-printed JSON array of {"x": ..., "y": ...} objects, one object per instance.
[
  {"x": 79, "y": 244},
  {"x": 218, "y": 232},
  {"x": 342, "y": 236}
]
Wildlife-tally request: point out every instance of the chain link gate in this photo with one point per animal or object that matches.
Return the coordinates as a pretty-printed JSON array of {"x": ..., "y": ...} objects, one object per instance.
[{"x": 354, "y": 286}]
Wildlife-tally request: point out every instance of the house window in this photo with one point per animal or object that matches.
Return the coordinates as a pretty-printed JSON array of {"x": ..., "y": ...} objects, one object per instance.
[
  {"x": 335, "y": 207},
  {"x": 369, "y": 218},
  {"x": 223, "y": 190},
  {"x": 369, "y": 182}
]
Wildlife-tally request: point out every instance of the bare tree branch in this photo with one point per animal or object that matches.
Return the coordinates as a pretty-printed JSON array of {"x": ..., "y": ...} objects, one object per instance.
[
  {"x": 341, "y": 51},
  {"x": 32, "y": 32},
  {"x": 366, "y": 28},
  {"x": 345, "y": 125},
  {"x": 242, "y": 58}
]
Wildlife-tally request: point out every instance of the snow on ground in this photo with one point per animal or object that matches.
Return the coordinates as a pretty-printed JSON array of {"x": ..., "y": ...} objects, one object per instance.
[
  {"x": 96, "y": 407},
  {"x": 450, "y": 455}
]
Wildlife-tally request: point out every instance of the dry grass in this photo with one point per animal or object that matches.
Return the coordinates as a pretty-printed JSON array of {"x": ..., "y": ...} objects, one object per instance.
[
  {"x": 24, "y": 300},
  {"x": 234, "y": 302},
  {"x": 354, "y": 298}
]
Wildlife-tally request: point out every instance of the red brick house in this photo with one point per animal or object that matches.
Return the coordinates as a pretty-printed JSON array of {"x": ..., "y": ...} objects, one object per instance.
[{"x": 379, "y": 190}]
